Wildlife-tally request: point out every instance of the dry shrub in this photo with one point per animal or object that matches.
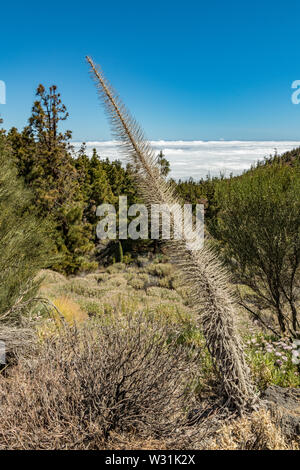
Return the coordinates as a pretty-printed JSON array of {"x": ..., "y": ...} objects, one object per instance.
[
  {"x": 258, "y": 431},
  {"x": 89, "y": 383}
]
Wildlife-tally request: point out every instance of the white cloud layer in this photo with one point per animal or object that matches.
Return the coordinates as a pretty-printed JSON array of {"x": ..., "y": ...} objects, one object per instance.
[{"x": 198, "y": 158}]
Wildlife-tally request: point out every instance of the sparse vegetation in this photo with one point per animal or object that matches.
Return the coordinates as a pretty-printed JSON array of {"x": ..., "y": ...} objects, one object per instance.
[{"x": 111, "y": 348}]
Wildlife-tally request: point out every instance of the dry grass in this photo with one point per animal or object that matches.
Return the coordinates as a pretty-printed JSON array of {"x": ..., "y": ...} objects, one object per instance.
[
  {"x": 259, "y": 431},
  {"x": 70, "y": 310}
]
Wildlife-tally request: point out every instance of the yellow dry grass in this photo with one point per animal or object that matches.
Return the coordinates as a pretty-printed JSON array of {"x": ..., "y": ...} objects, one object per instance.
[{"x": 70, "y": 311}]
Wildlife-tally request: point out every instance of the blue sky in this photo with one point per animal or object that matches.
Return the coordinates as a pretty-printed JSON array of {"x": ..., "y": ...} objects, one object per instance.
[{"x": 190, "y": 70}]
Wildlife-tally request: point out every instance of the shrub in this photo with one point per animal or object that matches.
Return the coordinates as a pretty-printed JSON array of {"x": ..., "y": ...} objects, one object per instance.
[
  {"x": 91, "y": 307},
  {"x": 88, "y": 384},
  {"x": 160, "y": 269},
  {"x": 259, "y": 229}
]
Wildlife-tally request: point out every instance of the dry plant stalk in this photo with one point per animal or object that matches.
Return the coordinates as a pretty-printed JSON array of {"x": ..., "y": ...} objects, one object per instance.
[{"x": 204, "y": 274}]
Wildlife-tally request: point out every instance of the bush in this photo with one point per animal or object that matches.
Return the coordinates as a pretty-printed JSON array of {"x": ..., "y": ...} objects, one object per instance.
[
  {"x": 259, "y": 230},
  {"x": 86, "y": 385}
]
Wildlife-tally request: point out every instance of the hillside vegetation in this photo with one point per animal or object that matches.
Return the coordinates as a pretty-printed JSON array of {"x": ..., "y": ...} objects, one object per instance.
[
  {"x": 134, "y": 320},
  {"x": 108, "y": 345}
]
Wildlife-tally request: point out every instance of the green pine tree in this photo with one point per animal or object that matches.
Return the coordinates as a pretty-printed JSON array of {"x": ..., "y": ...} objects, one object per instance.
[{"x": 43, "y": 157}]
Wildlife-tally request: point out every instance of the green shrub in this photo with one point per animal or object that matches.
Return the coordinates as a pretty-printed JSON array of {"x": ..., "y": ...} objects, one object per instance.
[
  {"x": 24, "y": 242},
  {"x": 273, "y": 361},
  {"x": 259, "y": 230}
]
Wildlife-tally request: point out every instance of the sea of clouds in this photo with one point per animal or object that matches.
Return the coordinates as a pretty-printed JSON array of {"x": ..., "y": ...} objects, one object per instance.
[{"x": 199, "y": 158}]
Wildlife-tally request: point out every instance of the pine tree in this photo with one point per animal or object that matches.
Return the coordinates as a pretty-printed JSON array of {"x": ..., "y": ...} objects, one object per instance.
[
  {"x": 94, "y": 183},
  {"x": 43, "y": 157},
  {"x": 163, "y": 164}
]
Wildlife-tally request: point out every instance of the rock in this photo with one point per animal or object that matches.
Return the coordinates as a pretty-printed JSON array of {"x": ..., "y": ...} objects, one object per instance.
[{"x": 285, "y": 404}]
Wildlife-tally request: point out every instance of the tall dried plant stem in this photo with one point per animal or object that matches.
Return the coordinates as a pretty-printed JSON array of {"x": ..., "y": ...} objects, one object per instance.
[{"x": 211, "y": 296}]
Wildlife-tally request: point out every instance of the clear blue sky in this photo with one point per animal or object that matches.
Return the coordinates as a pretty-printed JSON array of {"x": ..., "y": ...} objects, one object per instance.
[{"x": 186, "y": 69}]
